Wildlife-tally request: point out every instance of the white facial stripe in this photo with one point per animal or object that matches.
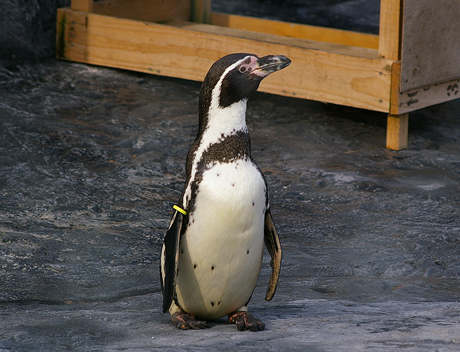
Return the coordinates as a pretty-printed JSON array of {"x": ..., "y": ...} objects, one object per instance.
[
  {"x": 222, "y": 122},
  {"x": 228, "y": 69}
]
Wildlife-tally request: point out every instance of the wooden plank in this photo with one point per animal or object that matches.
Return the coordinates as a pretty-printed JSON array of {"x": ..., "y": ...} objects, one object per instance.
[
  {"x": 390, "y": 29},
  {"x": 426, "y": 96},
  {"x": 82, "y": 5},
  {"x": 287, "y": 41},
  {"x": 404, "y": 102},
  {"x": 187, "y": 51},
  {"x": 397, "y": 131},
  {"x": 431, "y": 43},
  {"x": 145, "y": 10},
  {"x": 322, "y": 34},
  {"x": 201, "y": 11},
  {"x": 395, "y": 94}
]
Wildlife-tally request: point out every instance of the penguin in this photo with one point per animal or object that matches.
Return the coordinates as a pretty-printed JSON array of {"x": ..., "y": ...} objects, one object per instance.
[{"x": 212, "y": 252}]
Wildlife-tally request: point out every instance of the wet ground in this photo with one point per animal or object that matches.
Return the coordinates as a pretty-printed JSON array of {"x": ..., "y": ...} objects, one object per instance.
[{"x": 93, "y": 158}]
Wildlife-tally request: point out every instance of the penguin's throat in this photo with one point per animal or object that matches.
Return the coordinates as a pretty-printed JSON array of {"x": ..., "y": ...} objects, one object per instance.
[{"x": 223, "y": 122}]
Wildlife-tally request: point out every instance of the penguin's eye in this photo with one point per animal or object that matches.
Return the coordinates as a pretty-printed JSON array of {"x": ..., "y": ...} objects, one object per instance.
[{"x": 242, "y": 69}]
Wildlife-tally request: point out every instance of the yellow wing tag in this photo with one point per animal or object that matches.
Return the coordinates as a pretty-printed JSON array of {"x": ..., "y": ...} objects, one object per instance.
[{"x": 179, "y": 209}]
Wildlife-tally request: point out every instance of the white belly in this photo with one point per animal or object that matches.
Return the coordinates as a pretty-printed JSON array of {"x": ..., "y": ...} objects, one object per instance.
[{"x": 221, "y": 250}]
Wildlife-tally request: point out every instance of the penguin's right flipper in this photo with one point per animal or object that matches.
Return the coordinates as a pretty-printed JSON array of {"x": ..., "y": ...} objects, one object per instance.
[
  {"x": 170, "y": 259},
  {"x": 273, "y": 245}
]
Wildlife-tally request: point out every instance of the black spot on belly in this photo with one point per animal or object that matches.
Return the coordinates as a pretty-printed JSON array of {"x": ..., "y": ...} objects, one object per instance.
[
  {"x": 194, "y": 267},
  {"x": 247, "y": 252},
  {"x": 219, "y": 303},
  {"x": 218, "y": 175},
  {"x": 233, "y": 185},
  {"x": 253, "y": 203},
  {"x": 212, "y": 267},
  {"x": 212, "y": 304}
]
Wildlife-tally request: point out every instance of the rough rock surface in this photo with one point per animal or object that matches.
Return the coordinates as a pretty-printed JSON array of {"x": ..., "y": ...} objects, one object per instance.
[
  {"x": 93, "y": 158},
  {"x": 28, "y": 29}
]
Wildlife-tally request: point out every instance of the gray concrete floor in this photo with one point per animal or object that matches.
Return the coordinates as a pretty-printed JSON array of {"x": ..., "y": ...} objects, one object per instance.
[{"x": 91, "y": 160}]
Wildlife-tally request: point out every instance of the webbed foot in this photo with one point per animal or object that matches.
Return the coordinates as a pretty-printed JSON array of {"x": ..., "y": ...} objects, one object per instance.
[
  {"x": 186, "y": 321},
  {"x": 245, "y": 321}
]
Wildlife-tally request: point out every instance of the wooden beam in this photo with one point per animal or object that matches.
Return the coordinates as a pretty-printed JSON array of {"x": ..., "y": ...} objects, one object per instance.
[
  {"x": 342, "y": 75},
  {"x": 395, "y": 82},
  {"x": 201, "y": 11},
  {"x": 280, "y": 39},
  {"x": 427, "y": 96},
  {"x": 397, "y": 131},
  {"x": 302, "y": 31},
  {"x": 414, "y": 99},
  {"x": 82, "y": 5},
  {"x": 390, "y": 29},
  {"x": 145, "y": 10}
]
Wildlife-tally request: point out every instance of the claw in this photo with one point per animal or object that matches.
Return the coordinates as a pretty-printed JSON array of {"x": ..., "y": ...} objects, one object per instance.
[
  {"x": 186, "y": 321},
  {"x": 245, "y": 321}
]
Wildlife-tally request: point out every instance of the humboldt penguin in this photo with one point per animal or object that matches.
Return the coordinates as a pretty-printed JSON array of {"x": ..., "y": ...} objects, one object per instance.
[{"x": 212, "y": 252}]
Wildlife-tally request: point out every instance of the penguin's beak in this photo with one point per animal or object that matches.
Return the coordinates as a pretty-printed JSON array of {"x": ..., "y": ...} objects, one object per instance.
[{"x": 269, "y": 64}]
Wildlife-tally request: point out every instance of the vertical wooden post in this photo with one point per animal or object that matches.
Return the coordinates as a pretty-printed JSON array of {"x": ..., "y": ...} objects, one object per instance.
[
  {"x": 390, "y": 43},
  {"x": 397, "y": 130},
  {"x": 82, "y": 5},
  {"x": 390, "y": 34},
  {"x": 397, "y": 125},
  {"x": 201, "y": 11}
]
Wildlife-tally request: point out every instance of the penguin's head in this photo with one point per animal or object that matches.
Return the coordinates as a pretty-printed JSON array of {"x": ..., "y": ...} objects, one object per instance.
[{"x": 235, "y": 77}]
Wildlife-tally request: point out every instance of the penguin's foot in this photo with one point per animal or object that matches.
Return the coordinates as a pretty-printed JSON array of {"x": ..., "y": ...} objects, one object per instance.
[
  {"x": 186, "y": 321},
  {"x": 245, "y": 321}
]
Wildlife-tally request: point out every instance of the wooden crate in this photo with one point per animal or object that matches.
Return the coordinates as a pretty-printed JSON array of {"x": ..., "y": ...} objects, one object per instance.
[{"x": 411, "y": 64}]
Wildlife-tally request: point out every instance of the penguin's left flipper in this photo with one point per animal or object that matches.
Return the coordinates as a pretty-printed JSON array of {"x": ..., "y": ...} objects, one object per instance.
[
  {"x": 274, "y": 248},
  {"x": 171, "y": 259}
]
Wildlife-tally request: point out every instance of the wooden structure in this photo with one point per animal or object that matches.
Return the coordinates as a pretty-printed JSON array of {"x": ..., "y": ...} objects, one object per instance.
[{"x": 414, "y": 62}]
